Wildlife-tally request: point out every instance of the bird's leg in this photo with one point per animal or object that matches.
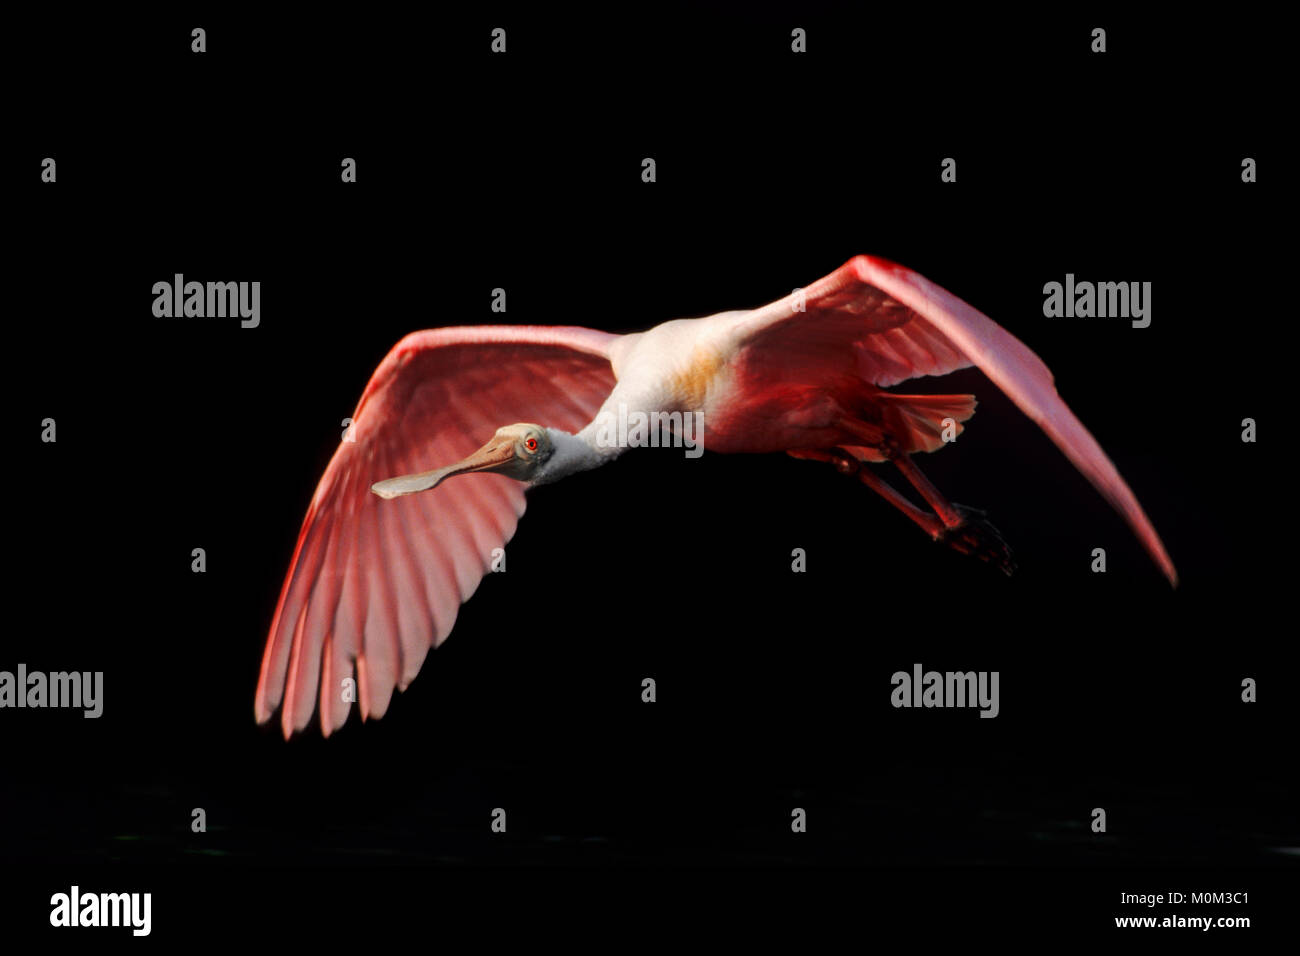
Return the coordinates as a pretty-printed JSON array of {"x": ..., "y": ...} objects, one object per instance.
[
  {"x": 846, "y": 464},
  {"x": 947, "y": 512},
  {"x": 965, "y": 530}
]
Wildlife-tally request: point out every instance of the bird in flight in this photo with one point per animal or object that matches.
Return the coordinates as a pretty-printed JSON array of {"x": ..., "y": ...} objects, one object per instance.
[{"x": 413, "y": 505}]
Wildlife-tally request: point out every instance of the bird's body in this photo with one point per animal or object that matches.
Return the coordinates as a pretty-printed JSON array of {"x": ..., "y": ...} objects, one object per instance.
[
  {"x": 692, "y": 366},
  {"x": 377, "y": 578}
]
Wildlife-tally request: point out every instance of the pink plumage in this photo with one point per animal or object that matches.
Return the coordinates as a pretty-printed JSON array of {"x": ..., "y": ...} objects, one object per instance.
[
  {"x": 376, "y": 581},
  {"x": 380, "y": 582}
]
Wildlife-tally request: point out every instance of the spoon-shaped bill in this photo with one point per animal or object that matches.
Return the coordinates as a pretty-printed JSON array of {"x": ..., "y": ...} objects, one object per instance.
[{"x": 496, "y": 455}]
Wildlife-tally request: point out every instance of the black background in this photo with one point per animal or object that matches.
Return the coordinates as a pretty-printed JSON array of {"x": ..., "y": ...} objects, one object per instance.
[{"x": 523, "y": 172}]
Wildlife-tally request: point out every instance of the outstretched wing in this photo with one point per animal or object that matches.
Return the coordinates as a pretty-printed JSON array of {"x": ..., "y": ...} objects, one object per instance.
[
  {"x": 373, "y": 583},
  {"x": 886, "y": 323}
]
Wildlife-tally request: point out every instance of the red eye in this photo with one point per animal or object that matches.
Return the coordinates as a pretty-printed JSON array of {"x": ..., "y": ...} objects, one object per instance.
[{"x": 531, "y": 444}]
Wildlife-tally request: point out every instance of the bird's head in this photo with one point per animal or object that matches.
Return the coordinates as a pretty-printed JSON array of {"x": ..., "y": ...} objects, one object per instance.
[{"x": 517, "y": 451}]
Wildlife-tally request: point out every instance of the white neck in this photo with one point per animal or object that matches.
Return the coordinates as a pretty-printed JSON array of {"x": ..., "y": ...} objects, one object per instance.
[{"x": 573, "y": 453}]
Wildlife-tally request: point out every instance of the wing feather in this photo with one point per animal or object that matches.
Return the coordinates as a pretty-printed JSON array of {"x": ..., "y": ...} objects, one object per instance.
[
  {"x": 373, "y": 584},
  {"x": 898, "y": 325}
]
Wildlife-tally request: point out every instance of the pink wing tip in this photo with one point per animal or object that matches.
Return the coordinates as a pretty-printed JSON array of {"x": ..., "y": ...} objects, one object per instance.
[
  {"x": 1167, "y": 566},
  {"x": 286, "y": 722}
]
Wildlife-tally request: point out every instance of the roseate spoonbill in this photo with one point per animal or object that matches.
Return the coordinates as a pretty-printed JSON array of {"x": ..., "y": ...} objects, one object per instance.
[{"x": 387, "y": 552}]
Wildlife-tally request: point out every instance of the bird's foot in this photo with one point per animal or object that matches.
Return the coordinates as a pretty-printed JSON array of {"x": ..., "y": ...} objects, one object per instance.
[{"x": 976, "y": 536}]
